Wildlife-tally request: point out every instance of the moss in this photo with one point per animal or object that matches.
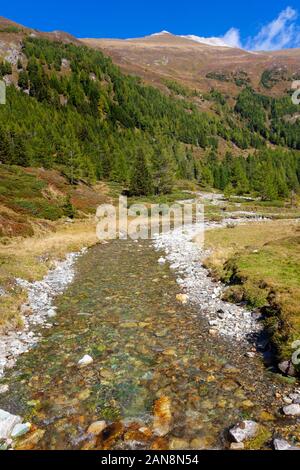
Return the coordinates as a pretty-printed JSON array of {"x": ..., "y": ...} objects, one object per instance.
[{"x": 260, "y": 441}]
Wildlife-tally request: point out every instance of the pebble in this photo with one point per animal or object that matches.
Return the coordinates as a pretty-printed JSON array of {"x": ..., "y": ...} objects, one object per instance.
[
  {"x": 292, "y": 410},
  {"x": 183, "y": 298},
  {"x": 97, "y": 428},
  {"x": 20, "y": 430},
  {"x": 4, "y": 389},
  {"x": 237, "y": 446},
  {"x": 85, "y": 361},
  {"x": 178, "y": 444}
]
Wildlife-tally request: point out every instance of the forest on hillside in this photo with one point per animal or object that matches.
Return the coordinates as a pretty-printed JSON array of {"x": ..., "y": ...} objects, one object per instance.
[{"x": 75, "y": 111}]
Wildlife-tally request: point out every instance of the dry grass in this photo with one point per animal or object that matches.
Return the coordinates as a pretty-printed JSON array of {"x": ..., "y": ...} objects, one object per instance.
[{"x": 31, "y": 258}]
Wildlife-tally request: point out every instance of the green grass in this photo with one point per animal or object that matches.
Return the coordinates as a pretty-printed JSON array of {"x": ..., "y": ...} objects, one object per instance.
[{"x": 261, "y": 263}]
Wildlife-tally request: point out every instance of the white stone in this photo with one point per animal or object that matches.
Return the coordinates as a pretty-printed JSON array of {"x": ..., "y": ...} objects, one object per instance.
[
  {"x": 85, "y": 361},
  {"x": 292, "y": 410},
  {"x": 4, "y": 389},
  {"x": 243, "y": 431},
  {"x": 20, "y": 429},
  {"x": 7, "y": 423},
  {"x": 162, "y": 261},
  {"x": 281, "y": 444}
]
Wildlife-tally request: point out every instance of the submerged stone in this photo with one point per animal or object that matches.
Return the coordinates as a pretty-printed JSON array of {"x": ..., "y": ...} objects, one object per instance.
[
  {"x": 85, "y": 361},
  {"x": 162, "y": 416},
  {"x": 20, "y": 430},
  {"x": 97, "y": 428}
]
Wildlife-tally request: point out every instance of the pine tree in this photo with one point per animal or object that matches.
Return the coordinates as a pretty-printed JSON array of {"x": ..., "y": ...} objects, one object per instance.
[{"x": 140, "y": 183}]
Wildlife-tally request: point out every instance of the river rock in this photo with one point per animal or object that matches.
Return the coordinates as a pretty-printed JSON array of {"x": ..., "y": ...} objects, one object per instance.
[
  {"x": 213, "y": 332},
  {"x": 244, "y": 431},
  {"x": 20, "y": 430},
  {"x": 281, "y": 444},
  {"x": 292, "y": 410},
  {"x": 7, "y": 423},
  {"x": 31, "y": 441},
  {"x": 237, "y": 446},
  {"x": 97, "y": 428},
  {"x": 4, "y": 388},
  {"x": 85, "y": 361},
  {"x": 178, "y": 444},
  {"x": 183, "y": 298},
  {"x": 162, "y": 416},
  {"x": 287, "y": 368},
  {"x": 295, "y": 397}
]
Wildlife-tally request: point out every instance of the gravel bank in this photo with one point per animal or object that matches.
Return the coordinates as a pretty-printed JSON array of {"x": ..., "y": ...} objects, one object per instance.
[
  {"x": 38, "y": 311},
  {"x": 185, "y": 257}
]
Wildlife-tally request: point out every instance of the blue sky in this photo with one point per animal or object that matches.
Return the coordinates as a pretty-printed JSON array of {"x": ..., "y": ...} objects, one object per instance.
[{"x": 260, "y": 23}]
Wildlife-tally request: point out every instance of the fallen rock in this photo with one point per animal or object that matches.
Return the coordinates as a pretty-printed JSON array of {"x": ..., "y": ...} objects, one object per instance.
[
  {"x": 292, "y": 410},
  {"x": 162, "y": 416},
  {"x": 7, "y": 423},
  {"x": 287, "y": 368},
  {"x": 97, "y": 428},
  {"x": 244, "y": 431},
  {"x": 162, "y": 261},
  {"x": 20, "y": 430},
  {"x": 85, "y": 361}
]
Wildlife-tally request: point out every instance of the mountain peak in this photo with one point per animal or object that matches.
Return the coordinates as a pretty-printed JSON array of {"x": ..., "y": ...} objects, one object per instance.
[{"x": 162, "y": 33}]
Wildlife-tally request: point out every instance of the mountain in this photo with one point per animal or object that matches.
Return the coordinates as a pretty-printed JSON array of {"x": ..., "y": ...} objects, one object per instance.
[
  {"x": 196, "y": 64},
  {"x": 220, "y": 116}
]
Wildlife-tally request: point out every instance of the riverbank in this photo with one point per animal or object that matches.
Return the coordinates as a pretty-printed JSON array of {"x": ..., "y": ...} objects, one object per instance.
[
  {"x": 31, "y": 258},
  {"x": 261, "y": 264}
]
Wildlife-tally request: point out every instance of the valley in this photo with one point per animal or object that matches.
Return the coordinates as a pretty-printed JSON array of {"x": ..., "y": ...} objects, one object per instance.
[{"x": 165, "y": 343}]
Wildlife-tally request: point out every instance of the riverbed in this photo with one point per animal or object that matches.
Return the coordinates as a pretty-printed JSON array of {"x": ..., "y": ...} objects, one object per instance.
[{"x": 122, "y": 309}]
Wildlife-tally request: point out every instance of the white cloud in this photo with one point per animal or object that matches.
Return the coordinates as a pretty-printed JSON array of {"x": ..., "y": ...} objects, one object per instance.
[
  {"x": 280, "y": 33},
  {"x": 232, "y": 38}
]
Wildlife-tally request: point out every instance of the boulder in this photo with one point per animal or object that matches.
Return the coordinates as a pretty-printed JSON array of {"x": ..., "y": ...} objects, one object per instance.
[
  {"x": 7, "y": 423},
  {"x": 244, "y": 431}
]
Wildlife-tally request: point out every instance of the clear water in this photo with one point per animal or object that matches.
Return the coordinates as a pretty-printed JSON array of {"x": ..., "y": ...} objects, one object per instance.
[{"x": 122, "y": 310}]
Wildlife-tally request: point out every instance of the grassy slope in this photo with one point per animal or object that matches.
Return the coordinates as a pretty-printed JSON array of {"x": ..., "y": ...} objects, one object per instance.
[
  {"x": 262, "y": 262},
  {"x": 34, "y": 231}
]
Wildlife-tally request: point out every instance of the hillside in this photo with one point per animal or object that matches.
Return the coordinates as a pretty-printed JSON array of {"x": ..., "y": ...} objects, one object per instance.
[
  {"x": 200, "y": 66},
  {"x": 72, "y": 110}
]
